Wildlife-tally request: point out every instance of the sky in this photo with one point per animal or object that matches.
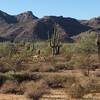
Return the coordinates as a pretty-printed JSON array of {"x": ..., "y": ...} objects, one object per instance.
[{"x": 79, "y": 9}]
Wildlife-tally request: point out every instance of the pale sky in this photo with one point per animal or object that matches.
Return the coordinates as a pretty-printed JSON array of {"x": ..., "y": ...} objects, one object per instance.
[{"x": 80, "y": 9}]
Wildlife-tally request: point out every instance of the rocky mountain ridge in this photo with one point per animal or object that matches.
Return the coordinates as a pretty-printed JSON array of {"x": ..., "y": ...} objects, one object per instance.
[{"x": 28, "y": 27}]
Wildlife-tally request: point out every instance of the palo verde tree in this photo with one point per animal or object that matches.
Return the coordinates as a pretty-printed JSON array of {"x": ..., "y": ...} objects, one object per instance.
[{"x": 55, "y": 42}]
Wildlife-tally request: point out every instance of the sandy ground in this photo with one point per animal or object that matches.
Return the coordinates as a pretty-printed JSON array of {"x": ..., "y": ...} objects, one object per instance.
[
  {"x": 12, "y": 97},
  {"x": 95, "y": 96}
]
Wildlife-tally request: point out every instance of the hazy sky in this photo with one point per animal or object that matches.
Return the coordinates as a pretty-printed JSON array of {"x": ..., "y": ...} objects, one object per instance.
[{"x": 80, "y": 9}]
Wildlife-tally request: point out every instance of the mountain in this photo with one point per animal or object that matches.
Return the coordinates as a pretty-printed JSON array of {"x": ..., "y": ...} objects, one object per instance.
[
  {"x": 27, "y": 27},
  {"x": 68, "y": 26},
  {"x": 3, "y": 39},
  {"x": 6, "y": 19},
  {"x": 17, "y": 27},
  {"x": 94, "y": 22}
]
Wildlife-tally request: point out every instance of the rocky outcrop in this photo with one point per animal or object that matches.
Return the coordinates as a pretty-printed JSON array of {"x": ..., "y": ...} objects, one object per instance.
[{"x": 25, "y": 17}]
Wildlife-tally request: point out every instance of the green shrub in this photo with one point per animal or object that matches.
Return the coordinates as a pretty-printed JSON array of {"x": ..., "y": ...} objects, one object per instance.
[
  {"x": 22, "y": 76},
  {"x": 86, "y": 41},
  {"x": 7, "y": 49}
]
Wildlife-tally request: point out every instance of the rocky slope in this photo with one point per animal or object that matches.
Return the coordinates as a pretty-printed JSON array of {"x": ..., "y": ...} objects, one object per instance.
[
  {"x": 93, "y": 22},
  {"x": 27, "y": 27}
]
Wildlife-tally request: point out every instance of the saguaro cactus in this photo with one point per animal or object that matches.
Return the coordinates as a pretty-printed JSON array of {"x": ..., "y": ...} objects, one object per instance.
[{"x": 55, "y": 42}]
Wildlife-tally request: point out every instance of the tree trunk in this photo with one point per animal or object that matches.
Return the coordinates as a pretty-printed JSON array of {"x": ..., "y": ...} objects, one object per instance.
[{"x": 99, "y": 54}]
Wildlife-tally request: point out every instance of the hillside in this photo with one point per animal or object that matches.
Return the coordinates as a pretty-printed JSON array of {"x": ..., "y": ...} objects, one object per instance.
[
  {"x": 93, "y": 22},
  {"x": 27, "y": 27}
]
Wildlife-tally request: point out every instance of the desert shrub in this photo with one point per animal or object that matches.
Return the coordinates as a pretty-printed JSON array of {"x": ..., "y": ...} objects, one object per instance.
[
  {"x": 70, "y": 66},
  {"x": 3, "y": 78},
  {"x": 86, "y": 41},
  {"x": 69, "y": 81},
  {"x": 47, "y": 68},
  {"x": 33, "y": 68},
  {"x": 35, "y": 90},
  {"x": 82, "y": 86},
  {"x": 60, "y": 80},
  {"x": 86, "y": 62},
  {"x": 80, "y": 61},
  {"x": 9, "y": 86},
  {"x": 12, "y": 64},
  {"x": 23, "y": 85},
  {"x": 55, "y": 81},
  {"x": 41, "y": 67},
  {"x": 47, "y": 51},
  {"x": 91, "y": 85},
  {"x": 59, "y": 67},
  {"x": 67, "y": 48},
  {"x": 16, "y": 62},
  {"x": 76, "y": 91},
  {"x": 44, "y": 47},
  {"x": 22, "y": 76},
  {"x": 7, "y": 49},
  {"x": 69, "y": 57},
  {"x": 4, "y": 67},
  {"x": 62, "y": 65},
  {"x": 27, "y": 46}
]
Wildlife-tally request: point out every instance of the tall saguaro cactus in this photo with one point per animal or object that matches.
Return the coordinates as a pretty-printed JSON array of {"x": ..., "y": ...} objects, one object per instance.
[{"x": 55, "y": 42}]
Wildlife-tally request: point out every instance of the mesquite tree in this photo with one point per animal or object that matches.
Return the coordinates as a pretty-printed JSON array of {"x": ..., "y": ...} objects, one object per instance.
[{"x": 55, "y": 42}]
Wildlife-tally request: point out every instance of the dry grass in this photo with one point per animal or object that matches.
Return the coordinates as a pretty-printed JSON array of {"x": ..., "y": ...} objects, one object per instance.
[
  {"x": 9, "y": 86},
  {"x": 12, "y": 97},
  {"x": 76, "y": 91},
  {"x": 36, "y": 90}
]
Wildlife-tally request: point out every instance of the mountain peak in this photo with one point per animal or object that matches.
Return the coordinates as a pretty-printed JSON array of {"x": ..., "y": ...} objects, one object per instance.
[{"x": 26, "y": 16}]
